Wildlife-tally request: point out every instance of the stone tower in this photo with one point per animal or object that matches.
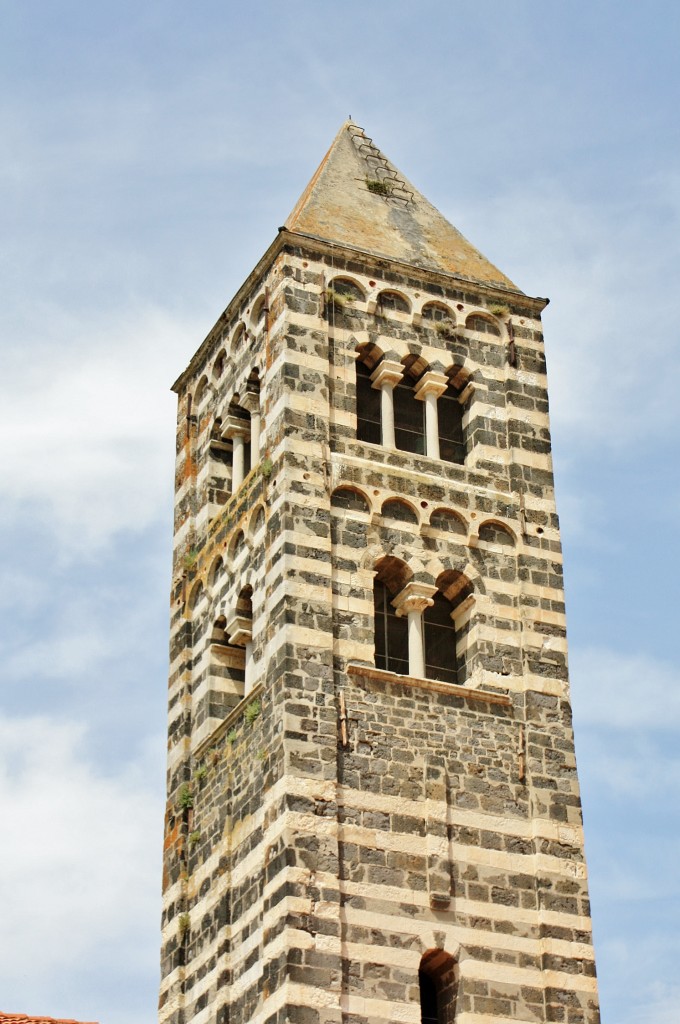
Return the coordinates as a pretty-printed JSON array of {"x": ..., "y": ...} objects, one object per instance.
[{"x": 373, "y": 809}]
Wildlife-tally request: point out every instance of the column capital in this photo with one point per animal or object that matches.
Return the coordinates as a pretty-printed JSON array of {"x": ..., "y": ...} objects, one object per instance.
[
  {"x": 431, "y": 383},
  {"x": 415, "y": 597},
  {"x": 236, "y": 427},
  {"x": 387, "y": 373},
  {"x": 239, "y": 630},
  {"x": 250, "y": 400}
]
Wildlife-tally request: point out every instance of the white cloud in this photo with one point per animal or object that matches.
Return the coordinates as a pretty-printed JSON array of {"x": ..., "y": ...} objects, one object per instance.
[
  {"x": 659, "y": 1005},
  {"x": 82, "y": 629},
  {"x": 624, "y": 691},
  {"x": 642, "y": 957},
  {"x": 636, "y": 773},
  {"x": 610, "y": 337},
  {"x": 79, "y": 862},
  {"x": 92, "y": 422}
]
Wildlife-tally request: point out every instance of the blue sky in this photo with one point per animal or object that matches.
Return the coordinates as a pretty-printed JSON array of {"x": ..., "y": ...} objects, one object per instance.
[{"x": 150, "y": 151}]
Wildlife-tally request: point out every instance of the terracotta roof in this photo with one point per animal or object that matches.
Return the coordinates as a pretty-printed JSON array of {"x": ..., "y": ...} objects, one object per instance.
[
  {"x": 358, "y": 198},
  {"x": 22, "y": 1018}
]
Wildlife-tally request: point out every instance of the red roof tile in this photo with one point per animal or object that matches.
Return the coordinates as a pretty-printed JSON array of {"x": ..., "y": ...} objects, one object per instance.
[{"x": 22, "y": 1018}]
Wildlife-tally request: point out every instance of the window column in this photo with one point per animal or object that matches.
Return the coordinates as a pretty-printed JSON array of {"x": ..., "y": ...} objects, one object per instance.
[
  {"x": 428, "y": 389},
  {"x": 251, "y": 402},
  {"x": 385, "y": 377},
  {"x": 412, "y": 601},
  {"x": 238, "y": 430},
  {"x": 240, "y": 630}
]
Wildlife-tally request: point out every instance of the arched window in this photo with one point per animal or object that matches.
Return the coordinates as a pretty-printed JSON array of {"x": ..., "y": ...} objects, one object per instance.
[
  {"x": 450, "y": 418},
  {"x": 240, "y": 629},
  {"x": 197, "y": 594},
  {"x": 415, "y": 632},
  {"x": 429, "y": 1009},
  {"x": 437, "y": 312},
  {"x": 343, "y": 291},
  {"x": 349, "y": 499},
  {"x": 258, "y": 314},
  {"x": 216, "y": 571},
  {"x": 496, "y": 534},
  {"x": 219, "y": 632},
  {"x": 237, "y": 430},
  {"x": 448, "y": 521},
  {"x": 218, "y": 365},
  {"x": 239, "y": 335},
  {"x": 409, "y": 417},
  {"x": 481, "y": 324},
  {"x": 250, "y": 402},
  {"x": 392, "y": 302},
  {"x": 401, "y": 511},
  {"x": 368, "y": 406},
  {"x": 439, "y": 639},
  {"x": 202, "y": 392},
  {"x": 391, "y": 633},
  {"x": 257, "y": 521},
  {"x": 438, "y": 982}
]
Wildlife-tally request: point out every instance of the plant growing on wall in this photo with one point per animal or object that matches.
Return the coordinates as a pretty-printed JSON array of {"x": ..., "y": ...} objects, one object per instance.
[
  {"x": 378, "y": 187},
  {"x": 338, "y": 298},
  {"x": 252, "y": 711},
  {"x": 186, "y": 797},
  {"x": 445, "y": 328},
  {"x": 190, "y": 558}
]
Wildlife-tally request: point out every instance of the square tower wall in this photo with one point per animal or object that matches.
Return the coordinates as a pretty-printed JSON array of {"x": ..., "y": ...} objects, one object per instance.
[{"x": 333, "y": 828}]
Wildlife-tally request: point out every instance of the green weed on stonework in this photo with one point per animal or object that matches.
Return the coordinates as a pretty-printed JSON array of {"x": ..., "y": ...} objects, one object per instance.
[
  {"x": 252, "y": 712},
  {"x": 335, "y": 297},
  {"x": 190, "y": 558},
  {"x": 378, "y": 187},
  {"x": 186, "y": 798}
]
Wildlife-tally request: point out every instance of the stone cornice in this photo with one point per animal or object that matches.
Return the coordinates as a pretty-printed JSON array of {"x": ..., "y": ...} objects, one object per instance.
[{"x": 452, "y": 689}]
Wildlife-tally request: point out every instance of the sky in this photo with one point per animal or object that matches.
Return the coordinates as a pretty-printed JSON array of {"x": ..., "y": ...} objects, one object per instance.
[{"x": 150, "y": 151}]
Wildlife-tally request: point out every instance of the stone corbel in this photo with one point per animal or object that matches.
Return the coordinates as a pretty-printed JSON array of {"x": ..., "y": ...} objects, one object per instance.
[
  {"x": 236, "y": 427},
  {"x": 431, "y": 383},
  {"x": 415, "y": 597},
  {"x": 387, "y": 372},
  {"x": 412, "y": 602},
  {"x": 239, "y": 630},
  {"x": 250, "y": 401}
]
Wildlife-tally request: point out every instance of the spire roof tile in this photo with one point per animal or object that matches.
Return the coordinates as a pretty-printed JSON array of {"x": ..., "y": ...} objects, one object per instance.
[{"x": 359, "y": 199}]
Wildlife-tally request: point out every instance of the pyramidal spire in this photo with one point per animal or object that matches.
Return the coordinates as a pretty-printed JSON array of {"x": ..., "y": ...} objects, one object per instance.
[{"x": 358, "y": 198}]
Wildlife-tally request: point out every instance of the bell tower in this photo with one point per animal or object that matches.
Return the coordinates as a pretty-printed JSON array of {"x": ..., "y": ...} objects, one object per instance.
[{"x": 373, "y": 809}]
